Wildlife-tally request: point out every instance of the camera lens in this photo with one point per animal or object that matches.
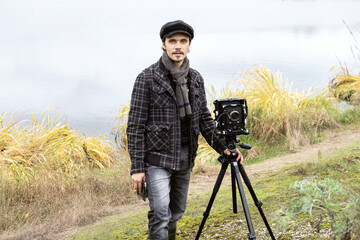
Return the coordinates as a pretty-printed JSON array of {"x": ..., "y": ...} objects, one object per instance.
[{"x": 234, "y": 116}]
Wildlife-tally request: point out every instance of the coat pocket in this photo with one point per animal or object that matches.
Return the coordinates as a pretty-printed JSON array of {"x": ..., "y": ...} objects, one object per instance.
[
  {"x": 157, "y": 137},
  {"x": 160, "y": 97}
]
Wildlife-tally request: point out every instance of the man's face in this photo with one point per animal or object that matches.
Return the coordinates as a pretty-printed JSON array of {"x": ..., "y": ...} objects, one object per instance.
[{"x": 177, "y": 47}]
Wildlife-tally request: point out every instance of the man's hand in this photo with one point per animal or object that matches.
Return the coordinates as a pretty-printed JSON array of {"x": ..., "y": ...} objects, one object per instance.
[
  {"x": 239, "y": 156},
  {"x": 137, "y": 178}
]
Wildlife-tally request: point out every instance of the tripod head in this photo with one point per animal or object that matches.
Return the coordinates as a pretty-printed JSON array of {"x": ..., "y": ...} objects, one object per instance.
[{"x": 231, "y": 142}]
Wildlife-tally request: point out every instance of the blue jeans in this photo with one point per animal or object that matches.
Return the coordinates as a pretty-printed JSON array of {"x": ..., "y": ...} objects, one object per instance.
[{"x": 167, "y": 192}]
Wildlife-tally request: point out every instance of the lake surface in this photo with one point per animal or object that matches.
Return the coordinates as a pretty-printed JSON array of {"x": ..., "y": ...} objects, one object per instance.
[{"x": 81, "y": 57}]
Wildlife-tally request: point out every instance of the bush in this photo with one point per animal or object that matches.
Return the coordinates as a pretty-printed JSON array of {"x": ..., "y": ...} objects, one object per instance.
[
  {"x": 48, "y": 171},
  {"x": 346, "y": 86},
  {"x": 327, "y": 199}
]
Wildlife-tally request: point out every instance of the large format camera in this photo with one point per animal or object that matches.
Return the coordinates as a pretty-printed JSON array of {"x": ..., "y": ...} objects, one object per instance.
[{"x": 230, "y": 115}]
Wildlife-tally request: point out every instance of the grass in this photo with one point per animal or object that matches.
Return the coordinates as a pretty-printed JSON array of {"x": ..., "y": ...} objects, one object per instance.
[
  {"x": 280, "y": 119},
  {"x": 53, "y": 175},
  {"x": 346, "y": 86},
  {"x": 276, "y": 112},
  {"x": 273, "y": 190}
]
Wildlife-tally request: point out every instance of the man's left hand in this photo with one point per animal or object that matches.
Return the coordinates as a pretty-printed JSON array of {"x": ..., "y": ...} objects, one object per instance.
[{"x": 239, "y": 156}]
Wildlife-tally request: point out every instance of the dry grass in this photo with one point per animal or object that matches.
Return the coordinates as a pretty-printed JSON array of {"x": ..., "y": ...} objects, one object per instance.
[
  {"x": 345, "y": 86},
  {"x": 276, "y": 112},
  {"x": 120, "y": 128},
  {"x": 53, "y": 176}
]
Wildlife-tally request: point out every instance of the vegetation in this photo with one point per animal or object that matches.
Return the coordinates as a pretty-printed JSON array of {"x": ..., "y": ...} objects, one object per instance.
[
  {"x": 52, "y": 177},
  {"x": 277, "y": 113},
  {"x": 49, "y": 172},
  {"x": 328, "y": 199},
  {"x": 312, "y": 200},
  {"x": 279, "y": 118},
  {"x": 346, "y": 86},
  {"x": 120, "y": 128}
]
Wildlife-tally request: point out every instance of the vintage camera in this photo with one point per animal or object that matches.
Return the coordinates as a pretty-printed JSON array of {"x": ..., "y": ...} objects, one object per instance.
[{"x": 230, "y": 116}]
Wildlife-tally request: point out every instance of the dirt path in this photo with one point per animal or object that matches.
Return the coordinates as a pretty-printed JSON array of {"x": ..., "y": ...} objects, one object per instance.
[{"x": 333, "y": 141}]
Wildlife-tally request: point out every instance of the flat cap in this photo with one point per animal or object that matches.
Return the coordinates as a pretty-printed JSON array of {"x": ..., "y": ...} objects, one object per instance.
[{"x": 177, "y": 26}]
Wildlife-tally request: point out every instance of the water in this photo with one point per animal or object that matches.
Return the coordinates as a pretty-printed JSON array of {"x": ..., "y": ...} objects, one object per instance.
[{"x": 81, "y": 57}]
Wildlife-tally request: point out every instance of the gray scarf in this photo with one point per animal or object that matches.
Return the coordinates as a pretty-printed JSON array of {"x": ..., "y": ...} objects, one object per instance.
[{"x": 179, "y": 75}]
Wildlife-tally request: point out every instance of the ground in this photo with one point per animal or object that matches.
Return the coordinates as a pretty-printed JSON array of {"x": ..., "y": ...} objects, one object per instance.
[{"x": 200, "y": 183}]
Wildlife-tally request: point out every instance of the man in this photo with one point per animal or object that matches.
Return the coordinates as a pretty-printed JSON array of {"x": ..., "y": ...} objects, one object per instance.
[{"x": 168, "y": 110}]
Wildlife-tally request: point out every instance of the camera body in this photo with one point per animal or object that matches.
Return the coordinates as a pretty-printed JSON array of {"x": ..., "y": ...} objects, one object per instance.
[{"x": 230, "y": 116}]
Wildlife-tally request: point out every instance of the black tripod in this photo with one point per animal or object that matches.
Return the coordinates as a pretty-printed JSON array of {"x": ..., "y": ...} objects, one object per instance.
[{"x": 236, "y": 170}]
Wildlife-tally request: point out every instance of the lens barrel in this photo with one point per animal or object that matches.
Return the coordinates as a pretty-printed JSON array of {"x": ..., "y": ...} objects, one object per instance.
[{"x": 234, "y": 116}]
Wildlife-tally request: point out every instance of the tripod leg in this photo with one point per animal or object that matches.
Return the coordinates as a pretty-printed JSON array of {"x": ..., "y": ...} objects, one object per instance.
[
  {"x": 233, "y": 185},
  {"x": 258, "y": 204},
  {"x": 215, "y": 190},
  {"x": 251, "y": 234}
]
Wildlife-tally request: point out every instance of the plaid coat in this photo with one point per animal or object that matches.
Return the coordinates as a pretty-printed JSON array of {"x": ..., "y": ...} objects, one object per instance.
[{"x": 153, "y": 132}]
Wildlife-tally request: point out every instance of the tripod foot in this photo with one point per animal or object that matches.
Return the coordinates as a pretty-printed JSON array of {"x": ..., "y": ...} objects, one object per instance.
[{"x": 252, "y": 236}]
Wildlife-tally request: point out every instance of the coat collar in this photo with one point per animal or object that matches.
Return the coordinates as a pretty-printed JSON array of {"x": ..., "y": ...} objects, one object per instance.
[{"x": 163, "y": 76}]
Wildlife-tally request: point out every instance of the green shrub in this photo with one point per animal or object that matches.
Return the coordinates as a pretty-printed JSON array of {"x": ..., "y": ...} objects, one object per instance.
[{"x": 327, "y": 199}]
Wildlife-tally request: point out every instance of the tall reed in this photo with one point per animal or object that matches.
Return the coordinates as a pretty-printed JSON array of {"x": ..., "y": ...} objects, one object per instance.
[
  {"x": 345, "y": 86},
  {"x": 45, "y": 165},
  {"x": 277, "y": 112},
  {"x": 48, "y": 143},
  {"x": 120, "y": 128}
]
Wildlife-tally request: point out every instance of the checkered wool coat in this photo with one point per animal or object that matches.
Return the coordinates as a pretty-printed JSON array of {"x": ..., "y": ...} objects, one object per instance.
[{"x": 153, "y": 131}]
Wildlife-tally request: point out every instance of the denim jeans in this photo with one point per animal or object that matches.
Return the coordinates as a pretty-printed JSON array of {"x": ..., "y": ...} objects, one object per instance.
[{"x": 167, "y": 192}]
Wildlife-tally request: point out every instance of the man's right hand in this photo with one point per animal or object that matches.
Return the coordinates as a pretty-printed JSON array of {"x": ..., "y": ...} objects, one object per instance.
[{"x": 137, "y": 178}]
